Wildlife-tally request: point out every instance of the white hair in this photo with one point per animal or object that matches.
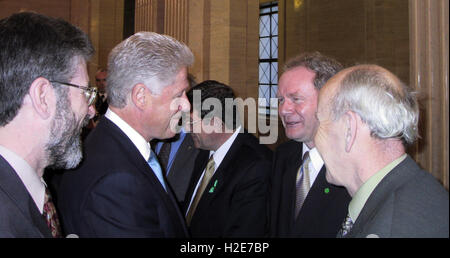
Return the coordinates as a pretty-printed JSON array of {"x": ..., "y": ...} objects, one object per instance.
[
  {"x": 386, "y": 105},
  {"x": 145, "y": 57}
]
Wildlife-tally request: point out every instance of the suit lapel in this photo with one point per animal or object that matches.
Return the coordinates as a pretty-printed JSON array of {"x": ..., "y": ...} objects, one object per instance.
[
  {"x": 200, "y": 164},
  {"x": 289, "y": 179},
  {"x": 316, "y": 195},
  {"x": 178, "y": 162},
  {"x": 132, "y": 152},
  {"x": 220, "y": 177},
  {"x": 38, "y": 220},
  {"x": 177, "y": 172},
  {"x": 222, "y": 174},
  {"x": 16, "y": 191},
  {"x": 141, "y": 165},
  {"x": 396, "y": 177},
  {"x": 180, "y": 215}
]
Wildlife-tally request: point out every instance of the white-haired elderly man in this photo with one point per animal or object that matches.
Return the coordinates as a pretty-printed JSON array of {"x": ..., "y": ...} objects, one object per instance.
[
  {"x": 366, "y": 116},
  {"x": 119, "y": 189}
]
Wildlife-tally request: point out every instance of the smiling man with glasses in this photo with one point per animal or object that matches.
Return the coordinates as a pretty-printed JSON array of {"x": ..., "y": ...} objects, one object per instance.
[{"x": 40, "y": 119}]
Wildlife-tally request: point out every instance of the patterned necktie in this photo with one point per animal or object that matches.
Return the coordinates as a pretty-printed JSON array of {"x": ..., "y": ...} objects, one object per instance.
[
  {"x": 153, "y": 163},
  {"x": 50, "y": 215},
  {"x": 346, "y": 226},
  {"x": 302, "y": 183},
  {"x": 210, "y": 167},
  {"x": 163, "y": 155}
]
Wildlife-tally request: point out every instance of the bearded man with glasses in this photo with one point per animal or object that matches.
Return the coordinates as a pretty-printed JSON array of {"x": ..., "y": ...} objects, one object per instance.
[{"x": 44, "y": 104}]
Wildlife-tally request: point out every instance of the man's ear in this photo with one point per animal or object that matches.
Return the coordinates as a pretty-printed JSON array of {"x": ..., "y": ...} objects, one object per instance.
[
  {"x": 351, "y": 129},
  {"x": 42, "y": 95},
  {"x": 139, "y": 95}
]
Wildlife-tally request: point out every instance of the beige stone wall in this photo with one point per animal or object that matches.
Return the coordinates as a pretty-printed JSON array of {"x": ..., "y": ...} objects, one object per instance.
[
  {"x": 429, "y": 76},
  {"x": 352, "y": 31},
  {"x": 409, "y": 37},
  {"x": 102, "y": 20}
]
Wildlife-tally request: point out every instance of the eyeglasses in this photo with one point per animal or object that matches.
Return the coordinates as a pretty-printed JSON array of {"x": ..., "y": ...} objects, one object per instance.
[{"x": 89, "y": 92}]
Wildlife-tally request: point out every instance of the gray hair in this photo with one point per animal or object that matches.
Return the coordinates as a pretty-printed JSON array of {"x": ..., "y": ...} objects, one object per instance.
[
  {"x": 145, "y": 57},
  {"x": 324, "y": 67},
  {"x": 383, "y": 102}
]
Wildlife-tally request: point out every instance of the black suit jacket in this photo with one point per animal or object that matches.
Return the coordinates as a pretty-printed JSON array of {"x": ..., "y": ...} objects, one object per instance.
[
  {"x": 324, "y": 209},
  {"x": 236, "y": 206},
  {"x": 19, "y": 215},
  {"x": 182, "y": 167},
  {"x": 114, "y": 193}
]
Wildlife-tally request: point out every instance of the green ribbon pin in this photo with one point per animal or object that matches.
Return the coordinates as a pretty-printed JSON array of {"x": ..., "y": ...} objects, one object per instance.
[
  {"x": 327, "y": 190},
  {"x": 213, "y": 187}
]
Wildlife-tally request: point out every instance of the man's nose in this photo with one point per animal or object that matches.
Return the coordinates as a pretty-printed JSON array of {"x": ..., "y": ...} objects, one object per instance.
[{"x": 285, "y": 107}]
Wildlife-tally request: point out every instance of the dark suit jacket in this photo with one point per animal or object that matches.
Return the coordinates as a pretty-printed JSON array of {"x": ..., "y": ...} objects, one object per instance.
[
  {"x": 19, "y": 215},
  {"x": 114, "y": 193},
  {"x": 101, "y": 106},
  {"x": 182, "y": 167},
  {"x": 236, "y": 207},
  {"x": 408, "y": 202},
  {"x": 322, "y": 213}
]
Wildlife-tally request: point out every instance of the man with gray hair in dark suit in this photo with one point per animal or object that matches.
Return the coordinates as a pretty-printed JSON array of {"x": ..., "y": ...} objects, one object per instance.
[
  {"x": 119, "y": 190},
  {"x": 367, "y": 116}
]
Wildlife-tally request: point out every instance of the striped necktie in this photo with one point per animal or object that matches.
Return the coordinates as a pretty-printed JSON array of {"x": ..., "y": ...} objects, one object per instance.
[
  {"x": 346, "y": 227},
  {"x": 302, "y": 183},
  {"x": 163, "y": 155}
]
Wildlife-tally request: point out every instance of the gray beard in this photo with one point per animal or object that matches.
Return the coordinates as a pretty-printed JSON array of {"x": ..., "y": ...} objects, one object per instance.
[{"x": 64, "y": 146}]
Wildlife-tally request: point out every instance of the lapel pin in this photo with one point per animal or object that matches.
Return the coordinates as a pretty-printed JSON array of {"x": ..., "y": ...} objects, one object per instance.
[
  {"x": 327, "y": 190},
  {"x": 213, "y": 187}
]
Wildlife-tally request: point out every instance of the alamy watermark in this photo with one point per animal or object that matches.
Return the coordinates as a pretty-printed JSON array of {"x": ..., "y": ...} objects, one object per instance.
[{"x": 257, "y": 123}]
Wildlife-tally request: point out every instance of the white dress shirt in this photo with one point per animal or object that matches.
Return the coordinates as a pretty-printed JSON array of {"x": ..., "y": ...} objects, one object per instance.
[
  {"x": 141, "y": 144},
  {"x": 34, "y": 184},
  {"x": 316, "y": 161},
  {"x": 218, "y": 157}
]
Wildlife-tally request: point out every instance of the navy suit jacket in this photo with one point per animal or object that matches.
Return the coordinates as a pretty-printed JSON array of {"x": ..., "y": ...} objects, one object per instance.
[
  {"x": 325, "y": 206},
  {"x": 234, "y": 203},
  {"x": 19, "y": 215},
  {"x": 180, "y": 172},
  {"x": 114, "y": 193}
]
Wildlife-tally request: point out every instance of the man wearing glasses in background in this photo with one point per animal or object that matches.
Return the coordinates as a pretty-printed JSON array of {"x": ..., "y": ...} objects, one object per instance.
[{"x": 44, "y": 103}]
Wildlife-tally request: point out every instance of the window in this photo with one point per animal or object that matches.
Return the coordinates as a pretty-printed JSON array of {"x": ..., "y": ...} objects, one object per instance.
[{"x": 268, "y": 58}]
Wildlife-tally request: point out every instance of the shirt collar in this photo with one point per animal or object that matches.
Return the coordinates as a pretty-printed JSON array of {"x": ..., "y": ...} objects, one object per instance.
[
  {"x": 141, "y": 144},
  {"x": 362, "y": 195},
  {"x": 220, "y": 153},
  {"x": 316, "y": 159},
  {"x": 34, "y": 184}
]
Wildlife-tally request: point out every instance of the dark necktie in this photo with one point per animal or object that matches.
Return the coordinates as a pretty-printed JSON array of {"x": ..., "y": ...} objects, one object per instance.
[
  {"x": 163, "y": 155},
  {"x": 302, "y": 183},
  {"x": 50, "y": 215}
]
